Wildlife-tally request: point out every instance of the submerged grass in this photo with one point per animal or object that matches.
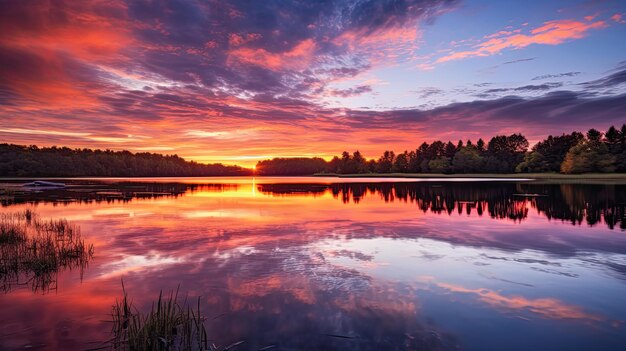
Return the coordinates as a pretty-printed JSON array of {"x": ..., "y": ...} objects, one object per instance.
[
  {"x": 168, "y": 326},
  {"x": 33, "y": 251}
]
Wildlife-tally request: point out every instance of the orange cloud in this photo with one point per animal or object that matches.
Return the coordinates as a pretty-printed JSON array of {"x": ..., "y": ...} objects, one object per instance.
[
  {"x": 551, "y": 33},
  {"x": 82, "y": 33},
  {"x": 53, "y": 62},
  {"x": 299, "y": 57}
]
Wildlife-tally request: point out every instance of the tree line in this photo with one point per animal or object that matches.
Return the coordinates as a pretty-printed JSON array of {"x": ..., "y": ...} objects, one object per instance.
[
  {"x": 572, "y": 153},
  {"x": 32, "y": 161}
]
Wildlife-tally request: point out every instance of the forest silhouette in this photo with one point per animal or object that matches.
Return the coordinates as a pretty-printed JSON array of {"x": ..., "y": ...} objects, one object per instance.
[
  {"x": 575, "y": 153},
  {"x": 32, "y": 161}
]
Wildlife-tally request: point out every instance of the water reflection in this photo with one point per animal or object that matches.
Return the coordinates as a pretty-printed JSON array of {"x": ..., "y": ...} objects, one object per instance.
[
  {"x": 99, "y": 192},
  {"x": 367, "y": 266},
  {"x": 573, "y": 203}
]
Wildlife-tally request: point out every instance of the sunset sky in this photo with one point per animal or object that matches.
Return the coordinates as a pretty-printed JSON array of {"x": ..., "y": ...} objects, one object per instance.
[{"x": 240, "y": 81}]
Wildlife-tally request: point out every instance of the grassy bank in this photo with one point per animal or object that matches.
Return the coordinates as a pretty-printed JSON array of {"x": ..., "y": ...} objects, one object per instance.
[{"x": 597, "y": 177}]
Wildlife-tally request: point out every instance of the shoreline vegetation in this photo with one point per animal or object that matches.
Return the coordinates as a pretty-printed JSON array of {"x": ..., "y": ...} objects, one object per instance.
[
  {"x": 33, "y": 161},
  {"x": 575, "y": 153},
  {"x": 592, "y": 153},
  {"x": 33, "y": 251},
  {"x": 532, "y": 176}
]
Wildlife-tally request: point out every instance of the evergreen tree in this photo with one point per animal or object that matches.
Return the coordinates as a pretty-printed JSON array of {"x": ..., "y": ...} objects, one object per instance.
[{"x": 480, "y": 145}]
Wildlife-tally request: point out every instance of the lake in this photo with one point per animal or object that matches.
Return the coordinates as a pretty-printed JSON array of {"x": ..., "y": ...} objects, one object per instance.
[{"x": 334, "y": 264}]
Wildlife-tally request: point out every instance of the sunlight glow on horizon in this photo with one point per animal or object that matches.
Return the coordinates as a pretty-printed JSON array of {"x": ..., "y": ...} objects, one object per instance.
[{"x": 306, "y": 82}]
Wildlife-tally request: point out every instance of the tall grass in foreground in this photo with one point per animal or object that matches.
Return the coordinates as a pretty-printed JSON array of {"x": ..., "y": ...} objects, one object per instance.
[
  {"x": 33, "y": 251},
  {"x": 168, "y": 326}
]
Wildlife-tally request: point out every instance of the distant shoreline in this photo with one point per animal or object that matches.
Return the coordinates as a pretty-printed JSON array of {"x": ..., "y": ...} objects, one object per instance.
[
  {"x": 534, "y": 176},
  {"x": 537, "y": 176}
]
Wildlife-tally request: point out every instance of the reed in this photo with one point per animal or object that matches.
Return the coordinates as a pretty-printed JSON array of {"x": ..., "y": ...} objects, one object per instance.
[
  {"x": 33, "y": 251},
  {"x": 168, "y": 326}
]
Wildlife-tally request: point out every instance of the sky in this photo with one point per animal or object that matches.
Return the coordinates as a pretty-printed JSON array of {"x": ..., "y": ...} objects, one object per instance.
[{"x": 240, "y": 81}]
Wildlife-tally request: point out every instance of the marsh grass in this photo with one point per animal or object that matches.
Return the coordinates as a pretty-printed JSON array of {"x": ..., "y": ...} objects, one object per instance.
[
  {"x": 33, "y": 251},
  {"x": 168, "y": 326}
]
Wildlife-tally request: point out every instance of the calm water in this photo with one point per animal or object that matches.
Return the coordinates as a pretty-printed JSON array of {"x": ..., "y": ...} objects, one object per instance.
[{"x": 297, "y": 263}]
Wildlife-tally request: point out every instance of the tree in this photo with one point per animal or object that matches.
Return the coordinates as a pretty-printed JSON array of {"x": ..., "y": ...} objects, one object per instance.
[
  {"x": 480, "y": 145},
  {"x": 349, "y": 164},
  {"x": 359, "y": 162},
  {"x": 31, "y": 161},
  {"x": 385, "y": 162},
  {"x": 568, "y": 153},
  {"x": 401, "y": 163},
  {"x": 547, "y": 155},
  {"x": 612, "y": 136},
  {"x": 449, "y": 150},
  {"x": 588, "y": 156},
  {"x": 372, "y": 166},
  {"x": 594, "y": 136},
  {"x": 514, "y": 143},
  {"x": 506, "y": 152},
  {"x": 467, "y": 160},
  {"x": 421, "y": 161},
  {"x": 333, "y": 166},
  {"x": 414, "y": 162},
  {"x": 346, "y": 166},
  {"x": 613, "y": 139},
  {"x": 436, "y": 149},
  {"x": 439, "y": 165},
  {"x": 534, "y": 162}
]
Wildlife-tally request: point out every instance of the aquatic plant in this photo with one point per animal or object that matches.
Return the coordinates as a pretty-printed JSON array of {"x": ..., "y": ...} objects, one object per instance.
[
  {"x": 169, "y": 325},
  {"x": 33, "y": 251}
]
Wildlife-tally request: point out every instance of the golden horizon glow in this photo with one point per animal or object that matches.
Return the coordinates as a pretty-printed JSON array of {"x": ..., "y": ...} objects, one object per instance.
[{"x": 96, "y": 74}]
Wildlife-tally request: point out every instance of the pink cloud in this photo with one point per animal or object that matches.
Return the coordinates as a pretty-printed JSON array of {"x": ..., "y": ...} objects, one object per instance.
[
  {"x": 550, "y": 33},
  {"x": 619, "y": 18},
  {"x": 502, "y": 33},
  {"x": 392, "y": 43},
  {"x": 235, "y": 39},
  {"x": 300, "y": 56}
]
